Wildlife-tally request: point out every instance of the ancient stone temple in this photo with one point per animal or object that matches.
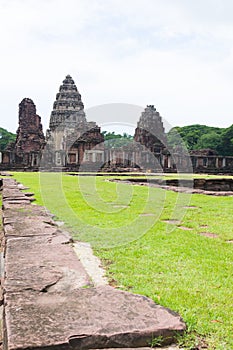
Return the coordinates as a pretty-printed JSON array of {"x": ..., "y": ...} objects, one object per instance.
[
  {"x": 150, "y": 131},
  {"x": 72, "y": 143},
  {"x": 71, "y": 139},
  {"x": 145, "y": 151},
  {"x": 30, "y": 140}
]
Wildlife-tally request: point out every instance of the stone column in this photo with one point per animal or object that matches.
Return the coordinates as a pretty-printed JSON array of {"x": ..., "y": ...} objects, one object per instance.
[
  {"x": 32, "y": 159},
  {"x": 123, "y": 158},
  {"x": 169, "y": 161}
]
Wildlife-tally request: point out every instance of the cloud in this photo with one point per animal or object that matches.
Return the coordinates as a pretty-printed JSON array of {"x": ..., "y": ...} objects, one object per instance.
[{"x": 172, "y": 53}]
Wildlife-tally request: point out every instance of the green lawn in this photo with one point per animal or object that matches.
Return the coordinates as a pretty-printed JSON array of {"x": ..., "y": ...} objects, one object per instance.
[{"x": 172, "y": 262}]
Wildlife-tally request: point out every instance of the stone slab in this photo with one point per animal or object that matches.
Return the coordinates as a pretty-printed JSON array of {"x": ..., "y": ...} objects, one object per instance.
[
  {"x": 43, "y": 263},
  {"x": 86, "y": 318},
  {"x": 172, "y": 347},
  {"x": 30, "y": 226},
  {"x": 22, "y": 211}
]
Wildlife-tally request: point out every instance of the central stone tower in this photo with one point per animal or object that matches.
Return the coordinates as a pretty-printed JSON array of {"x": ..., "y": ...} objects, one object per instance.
[
  {"x": 70, "y": 138},
  {"x": 68, "y": 104},
  {"x": 67, "y": 114}
]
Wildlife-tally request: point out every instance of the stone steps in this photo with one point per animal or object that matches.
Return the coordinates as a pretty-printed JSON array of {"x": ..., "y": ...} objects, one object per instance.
[{"x": 50, "y": 301}]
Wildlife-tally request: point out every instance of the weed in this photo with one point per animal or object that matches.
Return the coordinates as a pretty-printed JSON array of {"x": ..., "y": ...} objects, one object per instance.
[{"x": 156, "y": 341}]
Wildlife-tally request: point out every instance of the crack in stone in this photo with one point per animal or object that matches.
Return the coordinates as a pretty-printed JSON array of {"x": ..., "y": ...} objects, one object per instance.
[{"x": 48, "y": 286}]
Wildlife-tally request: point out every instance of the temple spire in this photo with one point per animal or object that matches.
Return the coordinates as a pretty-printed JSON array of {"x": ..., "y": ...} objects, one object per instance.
[{"x": 67, "y": 104}]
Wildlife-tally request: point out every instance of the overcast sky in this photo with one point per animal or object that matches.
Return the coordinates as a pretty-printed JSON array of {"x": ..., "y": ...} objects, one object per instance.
[{"x": 175, "y": 54}]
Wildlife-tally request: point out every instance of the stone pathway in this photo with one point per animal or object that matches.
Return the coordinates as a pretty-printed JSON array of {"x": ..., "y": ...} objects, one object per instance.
[
  {"x": 50, "y": 300},
  {"x": 91, "y": 263}
]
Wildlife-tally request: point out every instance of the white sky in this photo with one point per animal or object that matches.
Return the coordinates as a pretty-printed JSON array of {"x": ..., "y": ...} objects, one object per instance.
[{"x": 175, "y": 54}]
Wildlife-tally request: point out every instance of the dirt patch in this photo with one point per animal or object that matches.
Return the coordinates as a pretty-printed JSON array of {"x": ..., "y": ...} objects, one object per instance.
[
  {"x": 120, "y": 206},
  {"x": 208, "y": 234},
  {"x": 147, "y": 214},
  {"x": 190, "y": 207},
  {"x": 185, "y": 228},
  {"x": 172, "y": 222}
]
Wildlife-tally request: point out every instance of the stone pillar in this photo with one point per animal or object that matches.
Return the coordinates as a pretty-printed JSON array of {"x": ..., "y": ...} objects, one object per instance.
[
  {"x": 163, "y": 161},
  {"x": 123, "y": 158},
  {"x": 133, "y": 158},
  {"x": 114, "y": 157},
  {"x": 33, "y": 161},
  {"x": 169, "y": 161},
  {"x": 57, "y": 158}
]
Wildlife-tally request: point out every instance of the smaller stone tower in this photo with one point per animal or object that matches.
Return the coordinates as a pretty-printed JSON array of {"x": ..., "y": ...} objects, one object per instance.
[
  {"x": 30, "y": 139},
  {"x": 150, "y": 140},
  {"x": 150, "y": 131}
]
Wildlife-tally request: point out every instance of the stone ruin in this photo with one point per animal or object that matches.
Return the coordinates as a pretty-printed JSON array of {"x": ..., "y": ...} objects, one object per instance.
[
  {"x": 150, "y": 131},
  {"x": 71, "y": 139},
  {"x": 30, "y": 140},
  {"x": 146, "y": 150},
  {"x": 74, "y": 144}
]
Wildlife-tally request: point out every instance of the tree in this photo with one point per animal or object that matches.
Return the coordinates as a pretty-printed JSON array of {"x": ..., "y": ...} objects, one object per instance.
[
  {"x": 225, "y": 147},
  {"x": 196, "y": 136},
  {"x": 211, "y": 140},
  {"x": 5, "y": 138},
  {"x": 113, "y": 140}
]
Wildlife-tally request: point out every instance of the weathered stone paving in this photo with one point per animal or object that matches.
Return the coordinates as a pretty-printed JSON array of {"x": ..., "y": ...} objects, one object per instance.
[
  {"x": 211, "y": 187},
  {"x": 50, "y": 301}
]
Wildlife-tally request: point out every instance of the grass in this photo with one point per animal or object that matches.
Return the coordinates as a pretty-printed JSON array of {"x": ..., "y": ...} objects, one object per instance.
[{"x": 176, "y": 267}]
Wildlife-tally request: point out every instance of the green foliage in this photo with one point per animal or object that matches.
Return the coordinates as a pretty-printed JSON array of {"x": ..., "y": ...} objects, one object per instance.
[
  {"x": 5, "y": 138},
  {"x": 226, "y": 144},
  {"x": 156, "y": 341},
  {"x": 210, "y": 140},
  {"x": 202, "y": 136},
  {"x": 113, "y": 140},
  {"x": 196, "y": 136}
]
